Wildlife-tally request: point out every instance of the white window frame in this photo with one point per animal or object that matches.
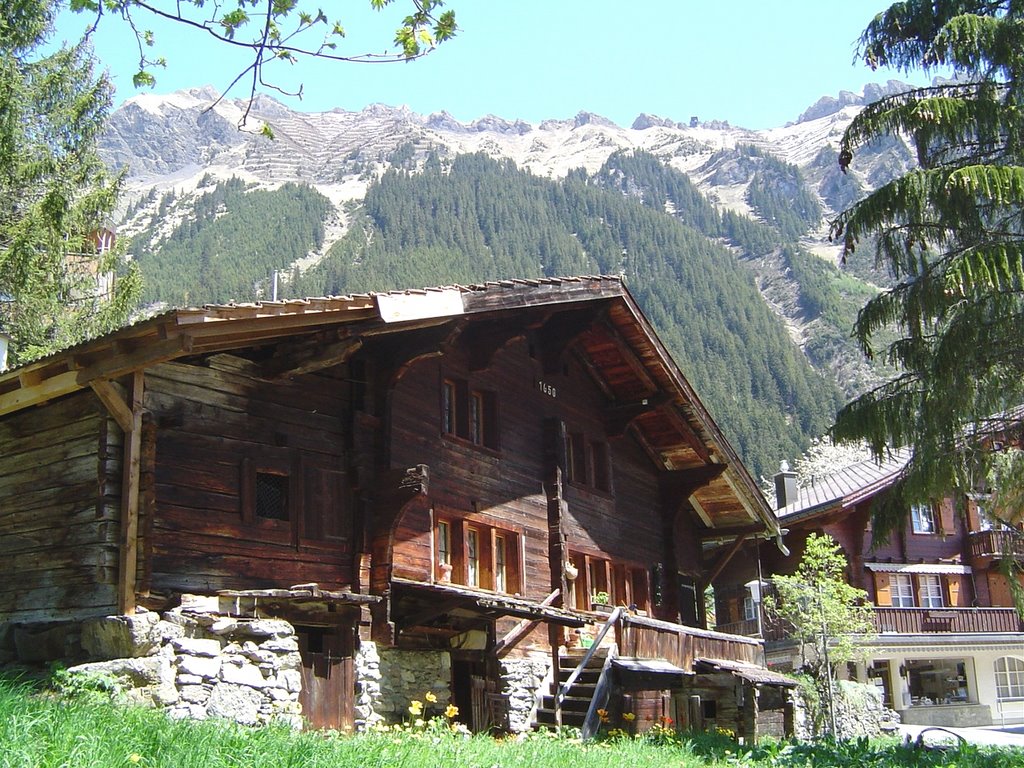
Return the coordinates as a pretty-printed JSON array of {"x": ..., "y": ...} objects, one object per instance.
[
  {"x": 929, "y": 588},
  {"x": 1009, "y": 672},
  {"x": 901, "y": 590},
  {"x": 922, "y": 518}
]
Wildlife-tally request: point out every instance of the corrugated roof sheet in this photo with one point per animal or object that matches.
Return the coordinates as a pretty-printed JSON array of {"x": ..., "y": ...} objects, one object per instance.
[{"x": 846, "y": 485}]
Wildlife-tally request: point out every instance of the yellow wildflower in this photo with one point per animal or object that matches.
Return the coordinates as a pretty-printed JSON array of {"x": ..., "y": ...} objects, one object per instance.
[
  {"x": 416, "y": 708},
  {"x": 451, "y": 711},
  {"x": 603, "y": 714},
  {"x": 430, "y": 696},
  {"x": 134, "y": 757},
  {"x": 629, "y": 717}
]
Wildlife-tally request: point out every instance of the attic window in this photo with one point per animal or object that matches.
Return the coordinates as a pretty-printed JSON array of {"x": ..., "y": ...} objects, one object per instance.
[{"x": 271, "y": 496}]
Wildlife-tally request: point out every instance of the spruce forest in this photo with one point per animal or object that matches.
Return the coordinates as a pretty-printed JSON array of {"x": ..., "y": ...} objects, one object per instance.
[{"x": 471, "y": 218}]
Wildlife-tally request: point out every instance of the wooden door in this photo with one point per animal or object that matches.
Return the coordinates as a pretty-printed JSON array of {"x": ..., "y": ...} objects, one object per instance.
[{"x": 328, "y": 676}]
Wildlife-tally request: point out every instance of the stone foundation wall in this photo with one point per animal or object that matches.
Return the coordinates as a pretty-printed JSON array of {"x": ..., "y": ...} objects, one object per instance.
[
  {"x": 521, "y": 680},
  {"x": 859, "y": 712},
  {"x": 388, "y": 679},
  {"x": 199, "y": 665}
]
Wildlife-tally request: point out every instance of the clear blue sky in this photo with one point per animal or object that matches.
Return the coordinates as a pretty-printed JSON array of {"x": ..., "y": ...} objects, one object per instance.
[{"x": 756, "y": 63}]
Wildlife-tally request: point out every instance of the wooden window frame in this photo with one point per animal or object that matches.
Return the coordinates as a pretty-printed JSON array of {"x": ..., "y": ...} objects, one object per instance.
[
  {"x": 576, "y": 457},
  {"x": 626, "y": 583},
  {"x": 469, "y": 414},
  {"x": 461, "y": 533},
  {"x": 601, "y": 466}
]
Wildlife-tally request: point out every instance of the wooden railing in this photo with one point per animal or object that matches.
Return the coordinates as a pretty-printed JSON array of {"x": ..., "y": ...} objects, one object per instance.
[
  {"x": 747, "y": 628},
  {"x": 926, "y": 620},
  {"x": 647, "y": 638},
  {"x": 994, "y": 543}
]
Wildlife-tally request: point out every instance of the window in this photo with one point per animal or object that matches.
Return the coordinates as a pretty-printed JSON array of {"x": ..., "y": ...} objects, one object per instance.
[
  {"x": 1009, "y": 678},
  {"x": 271, "y": 502},
  {"x": 476, "y": 556},
  {"x": 587, "y": 462},
  {"x": 749, "y": 608},
  {"x": 449, "y": 406},
  {"x": 922, "y": 518},
  {"x": 472, "y": 557},
  {"x": 930, "y": 590},
  {"x": 576, "y": 460},
  {"x": 443, "y": 535},
  {"x": 500, "y": 563},
  {"x": 476, "y": 418},
  {"x": 602, "y": 474},
  {"x": 469, "y": 414},
  {"x": 902, "y": 590}
]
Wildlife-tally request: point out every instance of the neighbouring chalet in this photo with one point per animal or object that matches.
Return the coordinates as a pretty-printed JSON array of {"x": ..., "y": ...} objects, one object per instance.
[
  {"x": 428, "y": 487},
  {"x": 950, "y": 644}
]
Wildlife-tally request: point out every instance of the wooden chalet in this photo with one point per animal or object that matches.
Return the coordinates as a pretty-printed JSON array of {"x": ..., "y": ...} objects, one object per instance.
[
  {"x": 459, "y": 468},
  {"x": 949, "y": 648}
]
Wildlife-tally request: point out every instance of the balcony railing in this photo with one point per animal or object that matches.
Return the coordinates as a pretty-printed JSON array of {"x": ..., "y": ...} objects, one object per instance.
[
  {"x": 924, "y": 620},
  {"x": 995, "y": 543}
]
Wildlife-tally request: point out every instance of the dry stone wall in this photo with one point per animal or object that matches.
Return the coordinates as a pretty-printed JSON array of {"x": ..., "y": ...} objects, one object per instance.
[{"x": 199, "y": 665}]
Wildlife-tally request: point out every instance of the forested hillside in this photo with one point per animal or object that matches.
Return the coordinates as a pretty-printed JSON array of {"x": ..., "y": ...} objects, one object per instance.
[
  {"x": 229, "y": 243},
  {"x": 473, "y": 218}
]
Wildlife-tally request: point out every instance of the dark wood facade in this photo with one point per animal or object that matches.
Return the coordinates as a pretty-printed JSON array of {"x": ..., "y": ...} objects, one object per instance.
[{"x": 480, "y": 459}]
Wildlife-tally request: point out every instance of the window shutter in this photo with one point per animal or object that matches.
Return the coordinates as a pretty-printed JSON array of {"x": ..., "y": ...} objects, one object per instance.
[
  {"x": 883, "y": 595},
  {"x": 955, "y": 588},
  {"x": 946, "y": 518}
]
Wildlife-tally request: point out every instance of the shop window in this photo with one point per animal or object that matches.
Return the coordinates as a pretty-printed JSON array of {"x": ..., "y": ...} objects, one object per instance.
[
  {"x": 929, "y": 588},
  {"x": 936, "y": 681},
  {"x": 922, "y": 518},
  {"x": 1009, "y": 678},
  {"x": 902, "y": 590}
]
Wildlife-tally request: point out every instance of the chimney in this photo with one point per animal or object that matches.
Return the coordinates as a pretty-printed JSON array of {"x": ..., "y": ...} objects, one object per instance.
[{"x": 785, "y": 486}]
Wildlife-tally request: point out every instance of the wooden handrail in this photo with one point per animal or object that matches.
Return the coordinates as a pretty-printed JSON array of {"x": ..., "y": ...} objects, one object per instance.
[
  {"x": 563, "y": 690},
  {"x": 592, "y": 721}
]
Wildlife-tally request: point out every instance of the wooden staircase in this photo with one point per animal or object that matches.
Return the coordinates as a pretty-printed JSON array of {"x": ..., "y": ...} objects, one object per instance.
[{"x": 577, "y": 699}]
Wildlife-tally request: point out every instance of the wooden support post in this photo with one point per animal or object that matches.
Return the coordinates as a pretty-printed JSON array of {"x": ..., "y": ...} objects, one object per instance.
[{"x": 128, "y": 565}]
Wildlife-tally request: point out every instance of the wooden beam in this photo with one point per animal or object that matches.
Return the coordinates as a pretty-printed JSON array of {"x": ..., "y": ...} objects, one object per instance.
[
  {"x": 681, "y": 483},
  {"x": 724, "y": 559},
  {"x": 522, "y": 629},
  {"x": 429, "y": 613},
  {"x": 619, "y": 417},
  {"x": 113, "y": 399},
  {"x": 560, "y": 332},
  {"x": 130, "y": 501},
  {"x": 730, "y": 531},
  {"x": 47, "y": 389},
  {"x": 311, "y": 360},
  {"x": 629, "y": 357}
]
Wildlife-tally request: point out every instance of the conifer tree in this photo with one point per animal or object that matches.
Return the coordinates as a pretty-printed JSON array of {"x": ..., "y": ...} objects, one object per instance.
[
  {"x": 54, "y": 191},
  {"x": 951, "y": 233}
]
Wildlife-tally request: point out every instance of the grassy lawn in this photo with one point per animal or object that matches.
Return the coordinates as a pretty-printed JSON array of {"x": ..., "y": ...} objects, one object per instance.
[{"x": 47, "y": 731}]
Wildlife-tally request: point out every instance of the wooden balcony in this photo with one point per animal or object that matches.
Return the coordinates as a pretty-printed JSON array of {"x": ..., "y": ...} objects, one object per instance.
[
  {"x": 916, "y": 621},
  {"x": 646, "y": 638},
  {"x": 984, "y": 546}
]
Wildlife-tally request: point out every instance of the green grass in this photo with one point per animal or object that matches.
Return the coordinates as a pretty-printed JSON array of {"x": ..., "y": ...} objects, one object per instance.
[{"x": 46, "y": 731}]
